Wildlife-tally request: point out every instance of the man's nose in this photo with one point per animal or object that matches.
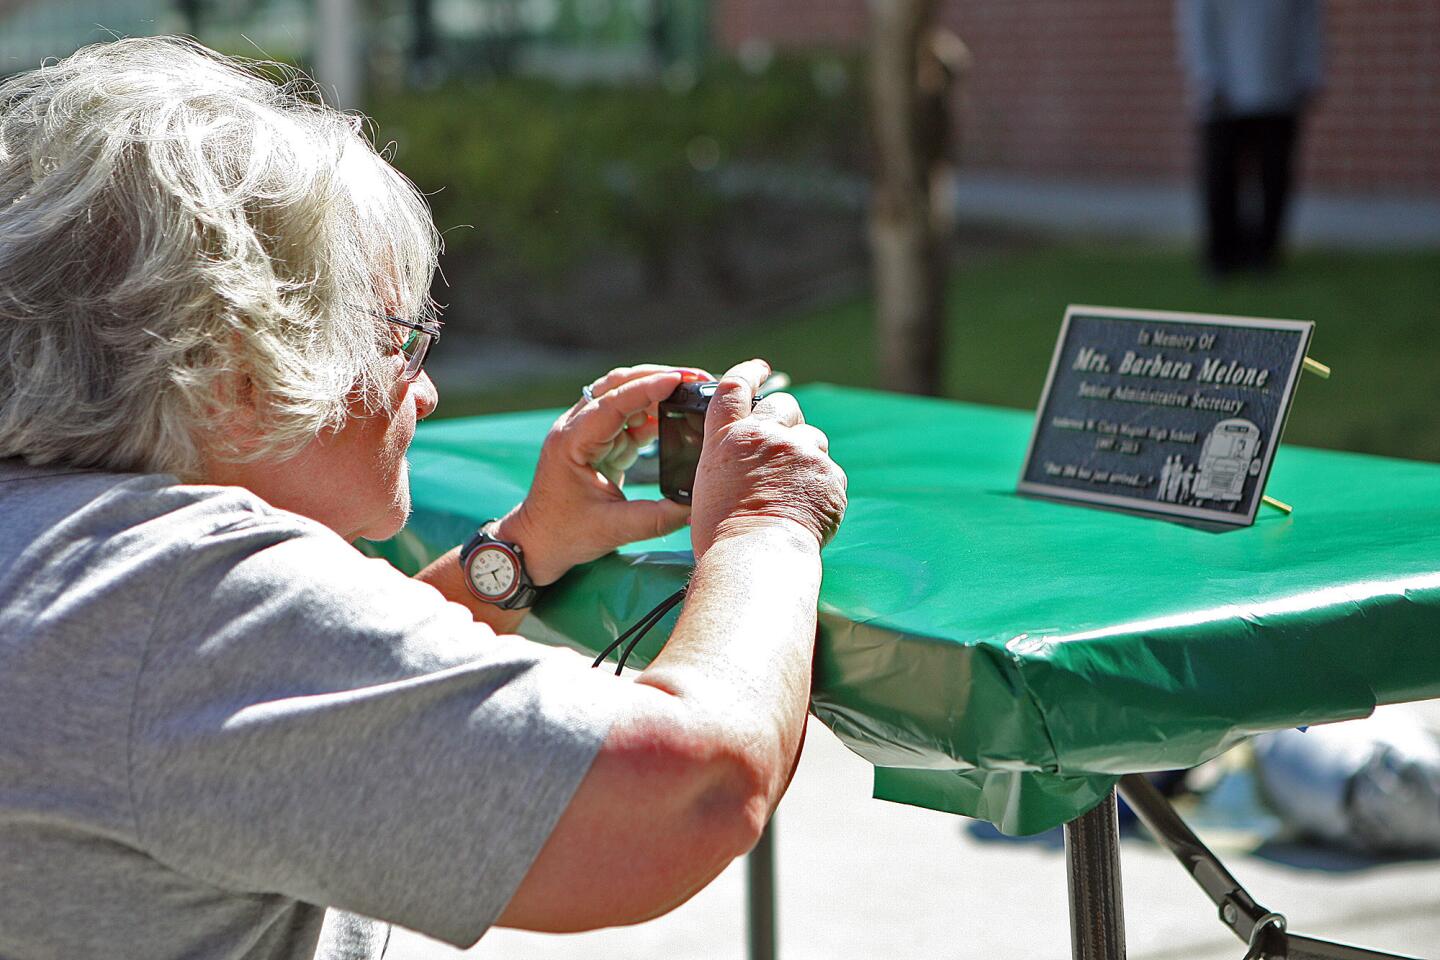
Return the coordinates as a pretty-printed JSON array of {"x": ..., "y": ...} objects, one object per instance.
[{"x": 427, "y": 398}]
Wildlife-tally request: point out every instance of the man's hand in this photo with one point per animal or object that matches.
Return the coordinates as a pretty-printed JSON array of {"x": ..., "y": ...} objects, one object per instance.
[
  {"x": 710, "y": 731},
  {"x": 576, "y": 510},
  {"x": 762, "y": 466}
]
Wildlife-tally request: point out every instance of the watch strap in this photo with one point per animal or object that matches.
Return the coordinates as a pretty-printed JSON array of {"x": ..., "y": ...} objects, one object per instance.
[
  {"x": 526, "y": 592},
  {"x": 524, "y": 596}
]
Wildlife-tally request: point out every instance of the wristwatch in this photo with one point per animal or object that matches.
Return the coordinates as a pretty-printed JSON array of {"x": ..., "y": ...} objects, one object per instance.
[{"x": 495, "y": 571}]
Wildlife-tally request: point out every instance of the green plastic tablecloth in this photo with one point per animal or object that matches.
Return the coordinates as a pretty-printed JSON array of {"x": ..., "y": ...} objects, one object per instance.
[{"x": 1008, "y": 658}]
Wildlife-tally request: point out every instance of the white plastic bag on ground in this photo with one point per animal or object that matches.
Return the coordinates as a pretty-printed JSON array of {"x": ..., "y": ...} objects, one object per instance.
[{"x": 1371, "y": 785}]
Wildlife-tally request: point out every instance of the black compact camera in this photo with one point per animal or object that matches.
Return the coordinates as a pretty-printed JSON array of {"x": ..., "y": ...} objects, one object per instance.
[{"x": 682, "y": 432}]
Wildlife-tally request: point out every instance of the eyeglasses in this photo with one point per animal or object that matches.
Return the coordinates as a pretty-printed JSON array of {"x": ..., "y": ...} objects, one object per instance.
[{"x": 416, "y": 345}]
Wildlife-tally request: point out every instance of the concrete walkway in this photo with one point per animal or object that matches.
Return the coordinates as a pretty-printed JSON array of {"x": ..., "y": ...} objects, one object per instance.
[
  {"x": 1170, "y": 211},
  {"x": 861, "y": 878},
  {"x": 1122, "y": 208}
]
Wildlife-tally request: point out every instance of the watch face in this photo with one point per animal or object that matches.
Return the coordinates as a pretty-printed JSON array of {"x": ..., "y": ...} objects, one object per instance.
[{"x": 493, "y": 571}]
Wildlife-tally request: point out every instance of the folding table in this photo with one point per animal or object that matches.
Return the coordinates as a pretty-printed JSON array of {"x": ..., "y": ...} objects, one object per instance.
[{"x": 1013, "y": 659}]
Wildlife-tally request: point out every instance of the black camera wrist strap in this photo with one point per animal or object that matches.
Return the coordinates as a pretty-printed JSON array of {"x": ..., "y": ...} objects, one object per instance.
[{"x": 641, "y": 627}]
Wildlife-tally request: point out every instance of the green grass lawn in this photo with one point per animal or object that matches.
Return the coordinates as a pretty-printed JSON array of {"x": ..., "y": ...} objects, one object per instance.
[{"x": 1377, "y": 318}]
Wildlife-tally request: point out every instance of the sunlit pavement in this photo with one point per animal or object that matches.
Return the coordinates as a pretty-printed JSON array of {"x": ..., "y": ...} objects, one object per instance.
[{"x": 859, "y": 877}]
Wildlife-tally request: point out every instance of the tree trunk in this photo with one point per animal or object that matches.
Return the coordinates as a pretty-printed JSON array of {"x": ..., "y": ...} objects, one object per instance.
[
  {"x": 907, "y": 241},
  {"x": 337, "y": 65},
  {"x": 189, "y": 9},
  {"x": 424, "y": 42}
]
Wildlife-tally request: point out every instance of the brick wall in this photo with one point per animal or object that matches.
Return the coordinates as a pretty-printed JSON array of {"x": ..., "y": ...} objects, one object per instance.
[
  {"x": 1092, "y": 88},
  {"x": 790, "y": 23}
]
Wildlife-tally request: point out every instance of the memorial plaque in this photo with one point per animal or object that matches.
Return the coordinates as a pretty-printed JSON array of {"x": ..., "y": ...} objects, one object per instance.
[{"x": 1175, "y": 414}]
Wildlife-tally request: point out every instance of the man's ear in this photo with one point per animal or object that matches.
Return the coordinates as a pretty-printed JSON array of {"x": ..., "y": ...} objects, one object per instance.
[{"x": 233, "y": 415}]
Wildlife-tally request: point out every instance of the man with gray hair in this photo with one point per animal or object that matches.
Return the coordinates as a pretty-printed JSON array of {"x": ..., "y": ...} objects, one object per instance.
[{"x": 227, "y": 733}]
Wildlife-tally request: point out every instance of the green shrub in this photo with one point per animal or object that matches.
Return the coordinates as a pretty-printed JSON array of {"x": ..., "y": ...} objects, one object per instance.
[{"x": 535, "y": 173}]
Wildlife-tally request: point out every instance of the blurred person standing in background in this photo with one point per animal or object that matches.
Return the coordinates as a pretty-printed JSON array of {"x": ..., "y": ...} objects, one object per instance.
[{"x": 1252, "y": 66}]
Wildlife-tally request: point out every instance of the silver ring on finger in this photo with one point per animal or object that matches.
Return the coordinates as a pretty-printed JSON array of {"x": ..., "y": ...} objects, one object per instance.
[{"x": 588, "y": 392}]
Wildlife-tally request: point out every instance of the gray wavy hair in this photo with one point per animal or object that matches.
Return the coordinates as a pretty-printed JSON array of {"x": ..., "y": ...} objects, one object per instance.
[{"x": 185, "y": 237}]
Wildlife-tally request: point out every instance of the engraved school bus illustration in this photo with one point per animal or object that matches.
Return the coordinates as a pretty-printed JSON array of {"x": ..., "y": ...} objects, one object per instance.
[{"x": 1229, "y": 455}]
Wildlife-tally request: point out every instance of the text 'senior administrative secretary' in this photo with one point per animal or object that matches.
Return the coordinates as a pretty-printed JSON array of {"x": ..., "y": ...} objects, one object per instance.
[{"x": 226, "y": 733}]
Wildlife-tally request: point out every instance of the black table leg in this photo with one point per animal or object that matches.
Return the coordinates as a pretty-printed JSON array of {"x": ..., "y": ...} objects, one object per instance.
[
  {"x": 1092, "y": 862},
  {"x": 761, "y": 895}
]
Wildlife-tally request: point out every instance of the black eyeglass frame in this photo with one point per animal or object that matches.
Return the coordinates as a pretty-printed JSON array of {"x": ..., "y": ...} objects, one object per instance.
[{"x": 429, "y": 331}]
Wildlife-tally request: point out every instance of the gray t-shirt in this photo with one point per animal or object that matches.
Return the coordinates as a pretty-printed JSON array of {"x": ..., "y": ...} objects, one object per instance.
[{"x": 217, "y": 719}]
